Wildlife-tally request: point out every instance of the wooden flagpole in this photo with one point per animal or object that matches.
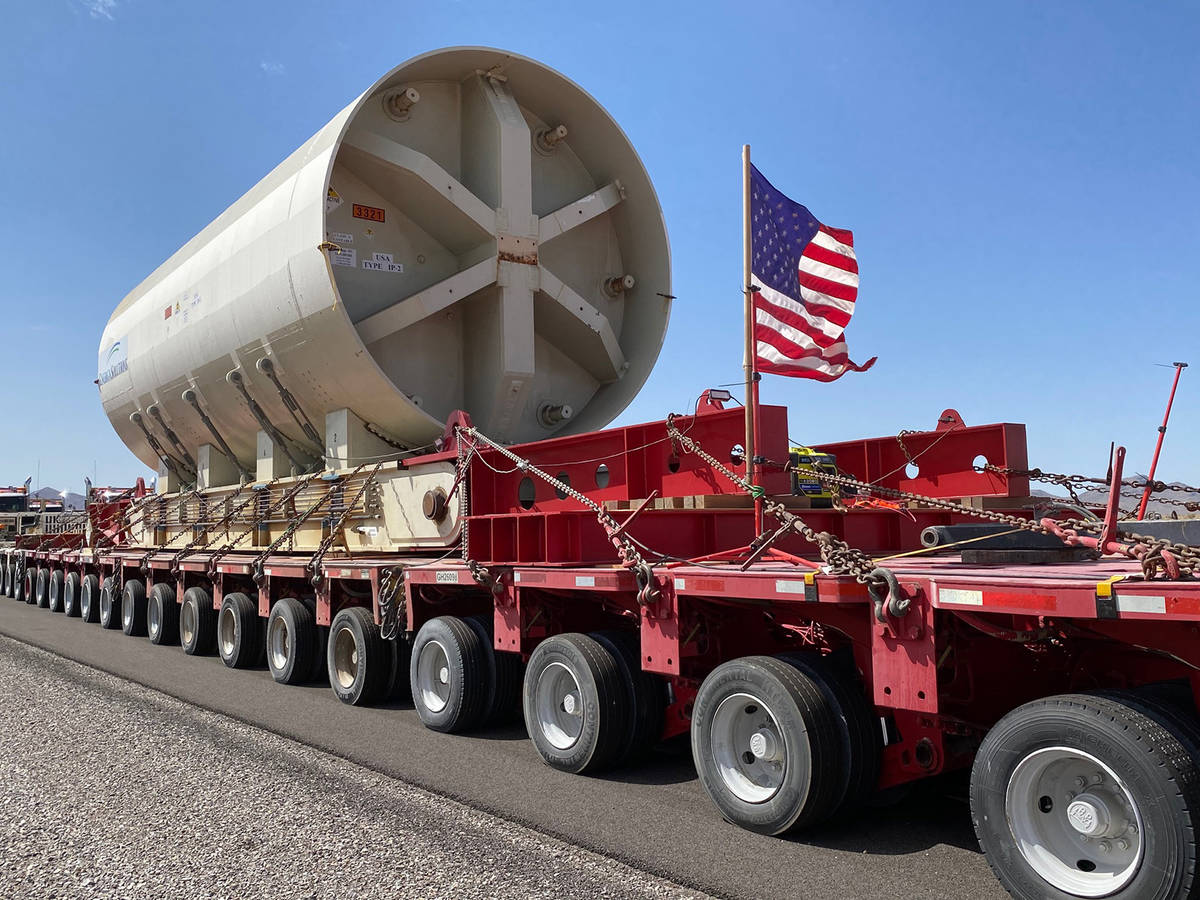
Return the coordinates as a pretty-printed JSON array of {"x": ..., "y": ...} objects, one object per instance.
[{"x": 748, "y": 357}]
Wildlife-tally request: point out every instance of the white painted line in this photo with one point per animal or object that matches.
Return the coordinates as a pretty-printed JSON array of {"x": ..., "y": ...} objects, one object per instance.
[{"x": 963, "y": 598}]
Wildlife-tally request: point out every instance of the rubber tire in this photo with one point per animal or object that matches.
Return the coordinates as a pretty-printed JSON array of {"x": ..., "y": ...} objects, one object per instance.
[
  {"x": 246, "y": 645},
  {"x": 54, "y": 591},
  {"x": 606, "y": 705},
  {"x": 374, "y": 664},
  {"x": 858, "y": 726},
  {"x": 808, "y": 724},
  {"x": 320, "y": 670},
  {"x": 204, "y": 637},
  {"x": 505, "y": 674},
  {"x": 467, "y": 664},
  {"x": 162, "y": 601},
  {"x": 1130, "y": 738},
  {"x": 133, "y": 608},
  {"x": 8, "y": 577},
  {"x": 301, "y": 626},
  {"x": 89, "y": 598},
  {"x": 110, "y": 605},
  {"x": 41, "y": 588},
  {"x": 646, "y": 692},
  {"x": 23, "y": 587},
  {"x": 70, "y": 595},
  {"x": 399, "y": 688}
]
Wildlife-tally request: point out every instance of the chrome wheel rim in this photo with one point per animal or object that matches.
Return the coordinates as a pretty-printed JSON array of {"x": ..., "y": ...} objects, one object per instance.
[
  {"x": 126, "y": 613},
  {"x": 433, "y": 676},
  {"x": 279, "y": 643},
  {"x": 558, "y": 703},
  {"x": 345, "y": 658},
  {"x": 85, "y": 603},
  {"x": 106, "y": 606},
  {"x": 187, "y": 622},
  {"x": 748, "y": 747},
  {"x": 1074, "y": 821},
  {"x": 152, "y": 618},
  {"x": 227, "y": 632}
]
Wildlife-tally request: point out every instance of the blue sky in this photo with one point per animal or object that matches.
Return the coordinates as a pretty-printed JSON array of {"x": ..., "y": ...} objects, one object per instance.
[{"x": 1021, "y": 179}]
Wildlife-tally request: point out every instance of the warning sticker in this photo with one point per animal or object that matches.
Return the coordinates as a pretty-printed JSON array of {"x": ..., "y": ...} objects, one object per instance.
[
  {"x": 333, "y": 200},
  {"x": 371, "y": 213},
  {"x": 344, "y": 257},
  {"x": 341, "y": 237}
]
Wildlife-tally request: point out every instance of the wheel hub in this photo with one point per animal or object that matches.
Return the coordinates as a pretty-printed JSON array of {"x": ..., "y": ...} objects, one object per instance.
[
  {"x": 764, "y": 745},
  {"x": 558, "y": 703},
  {"x": 1091, "y": 814},
  {"x": 748, "y": 748},
  {"x": 433, "y": 677}
]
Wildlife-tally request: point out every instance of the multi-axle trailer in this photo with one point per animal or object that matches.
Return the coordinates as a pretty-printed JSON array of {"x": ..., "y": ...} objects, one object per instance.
[{"x": 610, "y": 588}]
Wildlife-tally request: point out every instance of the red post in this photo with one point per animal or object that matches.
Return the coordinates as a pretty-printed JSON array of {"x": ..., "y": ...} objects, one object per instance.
[{"x": 1162, "y": 433}]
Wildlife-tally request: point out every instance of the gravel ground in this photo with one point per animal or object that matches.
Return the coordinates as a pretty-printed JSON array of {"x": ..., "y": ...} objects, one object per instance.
[{"x": 108, "y": 789}]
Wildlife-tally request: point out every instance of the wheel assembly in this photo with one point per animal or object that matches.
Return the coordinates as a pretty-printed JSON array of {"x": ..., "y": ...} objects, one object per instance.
[
  {"x": 291, "y": 639},
  {"x": 766, "y": 745},
  {"x": 24, "y": 587},
  {"x": 858, "y": 727},
  {"x": 356, "y": 657},
  {"x": 54, "y": 600},
  {"x": 110, "y": 605},
  {"x": 41, "y": 588},
  {"x": 239, "y": 632},
  {"x": 89, "y": 598},
  {"x": 133, "y": 608},
  {"x": 576, "y": 706},
  {"x": 197, "y": 622},
  {"x": 502, "y": 681},
  {"x": 162, "y": 614},
  {"x": 70, "y": 595},
  {"x": 646, "y": 694},
  {"x": 1088, "y": 796},
  {"x": 448, "y": 675}
]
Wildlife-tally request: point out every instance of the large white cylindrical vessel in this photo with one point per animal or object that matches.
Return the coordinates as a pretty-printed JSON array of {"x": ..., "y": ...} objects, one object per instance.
[{"x": 474, "y": 232}]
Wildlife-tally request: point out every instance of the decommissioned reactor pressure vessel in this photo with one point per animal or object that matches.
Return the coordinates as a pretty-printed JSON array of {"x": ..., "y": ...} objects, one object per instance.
[{"x": 474, "y": 232}]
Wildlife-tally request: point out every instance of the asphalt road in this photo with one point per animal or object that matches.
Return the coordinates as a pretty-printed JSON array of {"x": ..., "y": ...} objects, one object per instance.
[{"x": 654, "y": 817}]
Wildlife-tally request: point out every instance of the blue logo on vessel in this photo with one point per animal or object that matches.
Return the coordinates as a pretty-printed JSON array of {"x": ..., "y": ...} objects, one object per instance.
[{"x": 114, "y": 361}]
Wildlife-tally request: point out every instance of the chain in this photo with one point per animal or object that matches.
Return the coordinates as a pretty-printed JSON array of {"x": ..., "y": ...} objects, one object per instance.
[
  {"x": 314, "y": 564},
  {"x": 839, "y": 556},
  {"x": 278, "y": 504},
  {"x": 203, "y": 540},
  {"x": 478, "y": 571},
  {"x": 390, "y": 609},
  {"x": 144, "y": 565},
  {"x": 626, "y": 551}
]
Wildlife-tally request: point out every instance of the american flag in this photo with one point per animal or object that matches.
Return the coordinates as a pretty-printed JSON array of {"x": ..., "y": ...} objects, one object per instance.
[{"x": 806, "y": 281}]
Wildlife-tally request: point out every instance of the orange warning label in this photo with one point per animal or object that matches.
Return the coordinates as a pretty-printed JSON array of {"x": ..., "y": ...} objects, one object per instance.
[{"x": 372, "y": 213}]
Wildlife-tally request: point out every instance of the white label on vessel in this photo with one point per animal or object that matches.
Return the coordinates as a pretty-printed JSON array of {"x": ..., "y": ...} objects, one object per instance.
[
  {"x": 963, "y": 598},
  {"x": 332, "y": 200},
  {"x": 382, "y": 257},
  {"x": 585, "y": 581},
  {"x": 343, "y": 257},
  {"x": 341, "y": 237},
  {"x": 394, "y": 267},
  {"x": 372, "y": 265},
  {"x": 1142, "y": 604},
  {"x": 447, "y": 578}
]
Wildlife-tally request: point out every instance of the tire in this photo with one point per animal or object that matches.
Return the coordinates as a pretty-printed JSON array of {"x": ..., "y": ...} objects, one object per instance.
[
  {"x": 8, "y": 577},
  {"x": 41, "y": 588},
  {"x": 133, "y": 608},
  {"x": 89, "y": 598},
  {"x": 162, "y": 614},
  {"x": 356, "y": 657},
  {"x": 320, "y": 668},
  {"x": 239, "y": 632},
  {"x": 858, "y": 726},
  {"x": 54, "y": 591},
  {"x": 766, "y": 745},
  {"x": 291, "y": 641},
  {"x": 504, "y": 674},
  {"x": 576, "y": 707},
  {"x": 399, "y": 688},
  {"x": 448, "y": 675},
  {"x": 24, "y": 587},
  {"x": 1060, "y": 769},
  {"x": 197, "y": 622},
  {"x": 70, "y": 596},
  {"x": 646, "y": 694},
  {"x": 110, "y": 605}
]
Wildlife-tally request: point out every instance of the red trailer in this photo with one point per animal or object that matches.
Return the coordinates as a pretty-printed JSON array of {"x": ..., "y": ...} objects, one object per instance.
[{"x": 613, "y": 589}]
